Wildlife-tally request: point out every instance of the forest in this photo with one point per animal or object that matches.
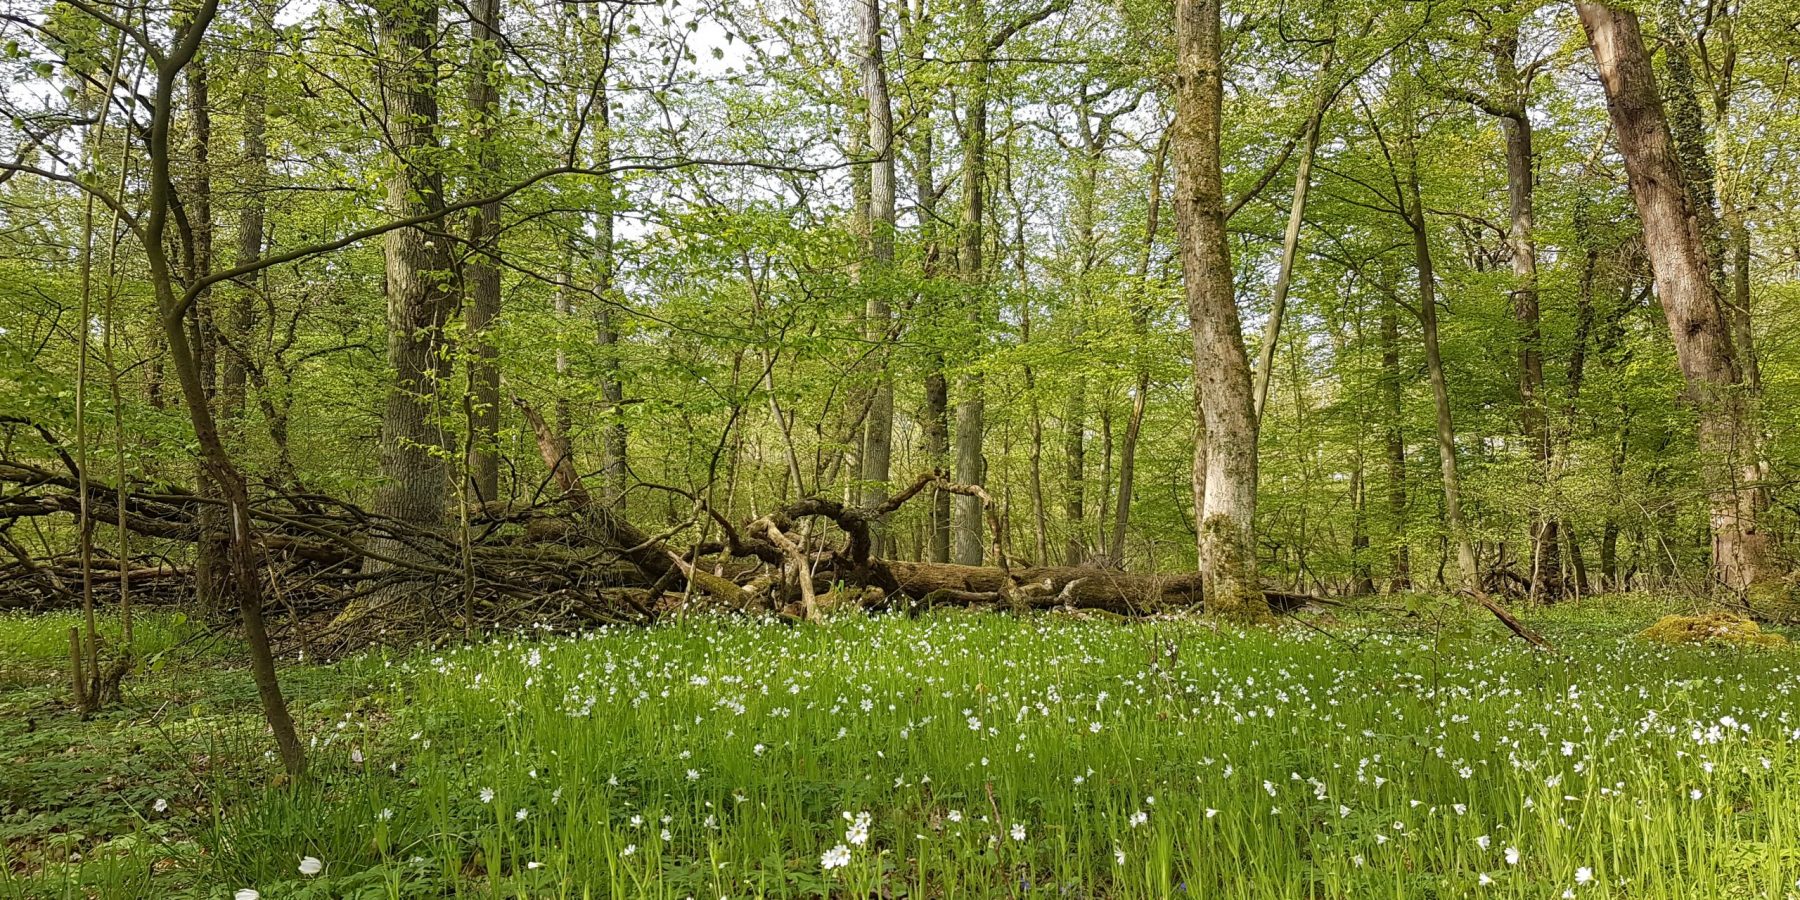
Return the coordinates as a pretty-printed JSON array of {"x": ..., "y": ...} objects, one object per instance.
[{"x": 1324, "y": 382}]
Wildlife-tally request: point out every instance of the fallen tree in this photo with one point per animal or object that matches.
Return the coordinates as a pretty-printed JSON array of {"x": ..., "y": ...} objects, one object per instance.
[{"x": 559, "y": 556}]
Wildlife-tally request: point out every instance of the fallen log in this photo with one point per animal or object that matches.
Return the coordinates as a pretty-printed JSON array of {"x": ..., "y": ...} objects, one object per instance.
[
  {"x": 647, "y": 553},
  {"x": 1076, "y": 587},
  {"x": 1048, "y": 586}
]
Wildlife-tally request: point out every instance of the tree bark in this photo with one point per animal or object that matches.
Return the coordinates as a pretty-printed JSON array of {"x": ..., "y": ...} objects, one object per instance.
[
  {"x": 1392, "y": 389},
  {"x": 242, "y": 549},
  {"x": 971, "y": 406},
  {"x": 1467, "y": 576},
  {"x": 935, "y": 417},
  {"x": 481, "y": 276},
  {"x": 615, "y": 462},
  {"x": 1521, "y": 240},
  {"x": 211, "y": 552},
  {"x": 413, "y": 472},
  {"x": 1284, "y": 276},
  {"x": 1141, "y": 319},
  {"x": 1676, "y": 244},
  {"x": 1226, "y": 517},
  {"x": 878, "y": 430}
]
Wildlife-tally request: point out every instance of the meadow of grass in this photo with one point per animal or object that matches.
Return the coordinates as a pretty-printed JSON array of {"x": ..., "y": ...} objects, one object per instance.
[{"x": 958, "y": 755}]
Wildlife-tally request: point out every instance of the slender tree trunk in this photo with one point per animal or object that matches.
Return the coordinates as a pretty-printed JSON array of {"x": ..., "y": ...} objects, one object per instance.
[
  {"x": 1362, "y": 573},
  {"x": 1141, "y": 320},
  {"x": 482, "y": 274},
  {"x": 1075, "y": 472},
  {"x": 971, "y": 407},
  {"x": 1284, "y": 276},
  {"x": 1676, "y": 245},
  {"x": 253, "y": 174},
  {"x": 878, "y": 432},
  {"x": 1468, "y": 578},
  {"x": 242, "y": 555},
  {"x": 1521, "y": 240},
  {"x": 615, "y": 463},
  {"x": 1226, "y": 517},
  {"x": 1106, "y": 462},
  {"x": 934, "y": 423},
  {"x": 212, "y": 566},
  {"x": 1396, "y": 446}
]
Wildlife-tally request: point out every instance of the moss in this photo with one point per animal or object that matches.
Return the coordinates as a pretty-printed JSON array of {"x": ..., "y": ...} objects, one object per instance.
[
  {"x": 1776, "y": 598},
  {"x": 1232, "y": 591},
  {"x": 1715, "y": 627}
]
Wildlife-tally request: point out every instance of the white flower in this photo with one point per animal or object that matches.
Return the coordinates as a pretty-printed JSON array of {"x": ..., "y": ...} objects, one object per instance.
[
  {"x": 693, "y": 774},
  {"x": 487, "y": 795},
  {"x": 385, "y": 814},
  {"x": 1118, "y": 856},
  {"x": 1584, "y": 875},
  {"x": 1210, "y": 812},
  {"x": 1018, "y": 832},
  {"x": 629, "y": 849},
  {"x": 835, "y": 858},
  {"x": 1512, "y": 856},
  {"x": 1696, "y": 793},
  {"x": 1484, "y": 880},
  {"x": 356, "y": 756},
  {"x": 954, "y": 815},
  {"x": 1139, "y": 818},
  {"x": 521, "y": 814},
  {"x": 160, "y": 805},
  {"x": 1094, "y": 727},
  {"x": 310, "y": 866},
  {"x": 246, "y": 894},
  {"x": 1482, "y": 842},
  {"x": 858, "y": 832}
]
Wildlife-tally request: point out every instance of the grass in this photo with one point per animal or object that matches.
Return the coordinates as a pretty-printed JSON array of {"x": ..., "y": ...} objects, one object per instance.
[{"x": 1418, "y": 755}]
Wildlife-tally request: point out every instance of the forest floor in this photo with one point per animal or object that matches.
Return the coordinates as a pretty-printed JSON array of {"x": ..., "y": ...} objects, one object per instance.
[{"x": 1409, "y": 750}]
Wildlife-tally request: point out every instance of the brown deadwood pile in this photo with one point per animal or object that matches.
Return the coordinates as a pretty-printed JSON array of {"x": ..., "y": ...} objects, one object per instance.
[{"x": 563, "y": 558}]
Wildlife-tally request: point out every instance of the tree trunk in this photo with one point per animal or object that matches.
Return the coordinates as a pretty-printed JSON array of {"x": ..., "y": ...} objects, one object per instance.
[
  {"x": 1428, "y": 315},
  {"x": 242, "y": 550},
  {"x": 971, "y": 406},
  {"x": 1396, "y": 446},
  {"x": 212, "y": 577},
  {"x": 615, "y": 463},
  {"x": 1521, "y": 241},
  {"x": 1075, "y": 472},
  {"x": 1226, "y": 517},
  {"x": 482, "y": 274},
  {"x": 1467, "y": 576},
  {"x": 413, "y": 473},
  {"x": 1290, "y": 245},
  {"x": 1675, "y": 242},
  {"x": 878, "y": 430},
  {"x": 1140, "y": 319},
  {"x": 935, "y": 416}
]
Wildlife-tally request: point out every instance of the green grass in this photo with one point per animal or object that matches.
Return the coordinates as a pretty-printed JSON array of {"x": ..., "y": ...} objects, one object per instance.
[{"x": 1400, "y": 756}]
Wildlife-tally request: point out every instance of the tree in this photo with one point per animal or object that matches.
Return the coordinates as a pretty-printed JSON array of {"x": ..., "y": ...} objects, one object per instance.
[
  {"x": 878, "y": 434},
  {"x": 1225, "y": 509},
  {"x": 1676, "y": 245},
  {"x": 419, "y": 296},
  {"x": 481, "y": 274}
]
